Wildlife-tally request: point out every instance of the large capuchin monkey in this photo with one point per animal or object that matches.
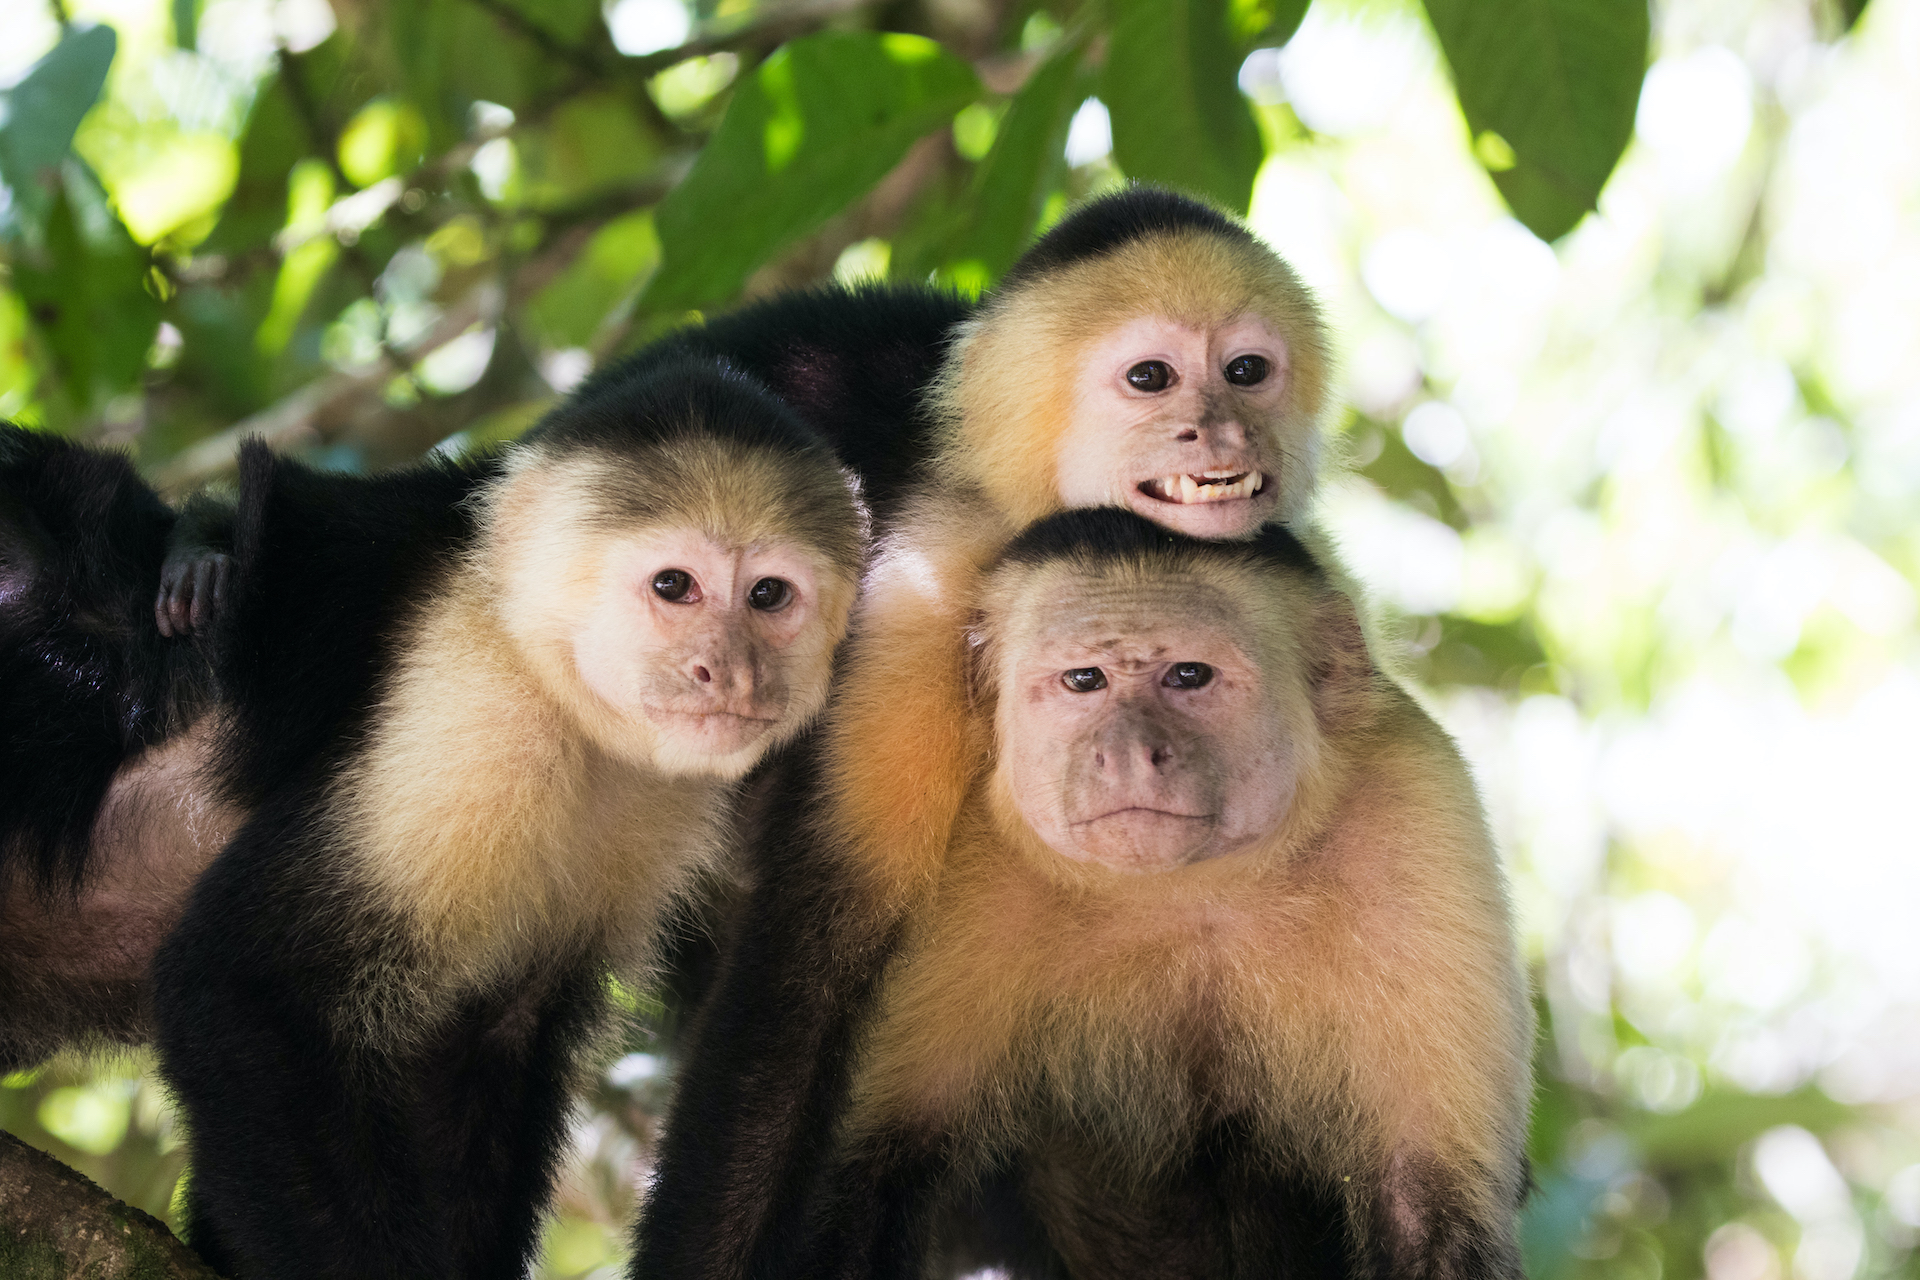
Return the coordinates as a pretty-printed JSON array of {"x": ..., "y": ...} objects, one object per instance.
[
  {"x": 1148, "y": 352},
  {"x": 478, "y": 726},
  {"x": 1214, "y": 974}
]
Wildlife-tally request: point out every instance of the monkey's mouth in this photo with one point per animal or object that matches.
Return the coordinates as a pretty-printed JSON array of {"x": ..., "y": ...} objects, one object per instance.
[
  {"x": 711, "y": 721},
  {"x": 1144, "y": 814},
  {"x": 1220, "y": 485}
]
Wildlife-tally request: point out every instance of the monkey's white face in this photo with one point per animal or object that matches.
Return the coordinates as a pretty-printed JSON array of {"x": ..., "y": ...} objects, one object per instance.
[
  {"x": 1182, "y": 425},
  {"x": 1138, "y": 733},
  {"x": 718, "y": 650}
]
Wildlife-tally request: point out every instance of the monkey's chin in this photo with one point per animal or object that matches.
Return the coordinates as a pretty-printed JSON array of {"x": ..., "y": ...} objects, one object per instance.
[
  {"x": 1143, "y": 840},
  {"x": 713, "y": 744}
]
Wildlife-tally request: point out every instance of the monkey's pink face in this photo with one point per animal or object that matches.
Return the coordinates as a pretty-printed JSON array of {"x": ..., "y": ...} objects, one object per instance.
[
  {"x": 720, "y": 649},
  {"x": 1182, "y": 425},
  {"x": 1138, "y": 736}
]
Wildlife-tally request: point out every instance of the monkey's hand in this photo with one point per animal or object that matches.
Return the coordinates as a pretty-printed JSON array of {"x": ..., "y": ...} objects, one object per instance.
[{"x": 193, "y": 585}]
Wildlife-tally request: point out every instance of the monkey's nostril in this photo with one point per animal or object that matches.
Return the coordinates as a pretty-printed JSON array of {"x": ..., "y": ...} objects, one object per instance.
[
  {"x": 1188, "y": 436},
  {"x": 701, "y": 674}
]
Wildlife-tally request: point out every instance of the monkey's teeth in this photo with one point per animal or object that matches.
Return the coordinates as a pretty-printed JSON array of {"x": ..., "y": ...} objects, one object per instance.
[{"x": 1186, "y": 489}]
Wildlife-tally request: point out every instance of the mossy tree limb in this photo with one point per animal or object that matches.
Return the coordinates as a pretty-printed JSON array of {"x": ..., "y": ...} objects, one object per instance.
[{"x": 57, "y": 1225}]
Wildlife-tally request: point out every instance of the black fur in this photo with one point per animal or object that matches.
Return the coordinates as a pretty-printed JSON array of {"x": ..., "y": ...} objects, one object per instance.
[
  {"x": 319, "y": 1150},
  {"x": 326, "y": 566},
  {"x": 86, "y": 680},
  {"x": 769, "y": 1057},
  {"x": 855, "y": 363},
  {"x": 1096, "y": 534},
  {"x": 1104, "y": 224}
]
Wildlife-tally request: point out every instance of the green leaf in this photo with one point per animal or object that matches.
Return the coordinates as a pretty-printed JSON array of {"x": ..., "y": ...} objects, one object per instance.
[
  {"x": 812, "y": 128},
  {"x": 1172, "y": 91},
  {"x": 38, "y": 115},
  {"x": 274, "y": 140},
  {"x": 186, "y": 23},
  {"x": 1555, "y": 83},
  {"x": 569, "y": 311},
  {"x": 594, "y": 142},
  {"x": 1264, "y": 24},
  {"x": 1011, "y": 185},
  {"x": 1721, "y": 1122},
  {"x": 85, "y": 285}
]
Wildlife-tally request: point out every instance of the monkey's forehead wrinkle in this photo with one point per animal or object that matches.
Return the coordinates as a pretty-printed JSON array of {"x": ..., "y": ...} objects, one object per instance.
[
  {"x": 1136, "y": 624},
  {"x": 1054, "y": 605}
]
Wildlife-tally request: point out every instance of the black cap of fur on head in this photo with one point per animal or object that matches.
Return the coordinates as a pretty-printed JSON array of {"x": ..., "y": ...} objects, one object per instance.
[
  {"x": 650, "y": 400},
  {"x": 689, "y": 431},
  {"x": 1104, "y": 224},
  {"x": 1115, "y": 533}
]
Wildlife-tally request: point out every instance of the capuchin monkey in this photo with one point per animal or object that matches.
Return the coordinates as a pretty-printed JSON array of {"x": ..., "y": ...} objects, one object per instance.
[
  {"x": 1147, "y": 352},
  {"x": 104, "y": 819},
  {"x": 461, "y": 823},
  {"x": 1214, "y": 976},
  {"x": 474, "y": 728}
]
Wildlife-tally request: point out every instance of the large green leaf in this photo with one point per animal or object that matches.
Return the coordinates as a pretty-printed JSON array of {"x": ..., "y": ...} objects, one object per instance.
[
  {"x": 1549, "y": 88},
  {"x": 1012, "y": 183},
  {"x": 1172, "y": 92},
  {"x": 1265, "y": 24},
  {"x": 813, "y": 127},
  {"x": 83, "y": 280},
  {"x": 38, "y": 115}
]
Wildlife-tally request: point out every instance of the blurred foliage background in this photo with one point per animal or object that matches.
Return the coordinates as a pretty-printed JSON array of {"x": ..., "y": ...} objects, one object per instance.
[{"x": 1626, "y": 306}]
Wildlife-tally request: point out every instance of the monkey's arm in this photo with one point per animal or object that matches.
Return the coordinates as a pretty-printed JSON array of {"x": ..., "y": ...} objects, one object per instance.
[
  {"x": 199, "y": 563},
  {"x": 326, "y": 1143},
  {"x": 768, "y": 1062}
]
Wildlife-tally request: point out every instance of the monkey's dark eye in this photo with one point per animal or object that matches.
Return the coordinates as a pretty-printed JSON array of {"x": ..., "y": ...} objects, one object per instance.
[
  {"x": 769, "y": 594},
  {"x": 1084, "y": 679},
  {"x": 1189, "y": 675},
  {"x": 1247, "y": 371},
  {"x": 672, "y": 584},
  {"x": 1150, "y": 375}
]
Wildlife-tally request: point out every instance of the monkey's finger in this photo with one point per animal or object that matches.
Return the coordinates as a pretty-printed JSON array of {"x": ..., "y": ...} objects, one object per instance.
[
  {"x": 222, "y": 570},
  {"x": 163, "y": 602},
  {"x": 202, "y": 607}
]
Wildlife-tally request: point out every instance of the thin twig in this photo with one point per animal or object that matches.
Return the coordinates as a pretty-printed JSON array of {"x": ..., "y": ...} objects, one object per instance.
[{"x": 769, "y": 28}]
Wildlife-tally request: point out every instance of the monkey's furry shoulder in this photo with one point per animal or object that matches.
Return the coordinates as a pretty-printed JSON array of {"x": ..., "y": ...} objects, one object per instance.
[{"x": 326, "y": 566}]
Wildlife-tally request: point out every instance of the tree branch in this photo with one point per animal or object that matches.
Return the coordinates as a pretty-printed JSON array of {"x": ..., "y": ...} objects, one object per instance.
[
  {"x": 56, "y": 1223},
  {"x": 772, "y": 27}
]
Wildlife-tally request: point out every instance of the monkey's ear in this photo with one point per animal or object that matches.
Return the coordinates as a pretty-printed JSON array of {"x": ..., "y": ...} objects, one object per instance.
[{"x": 1343, "y": 670}]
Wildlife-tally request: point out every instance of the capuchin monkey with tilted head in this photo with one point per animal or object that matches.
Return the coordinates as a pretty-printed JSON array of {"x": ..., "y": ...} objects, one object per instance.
[
  {"x": 1147, "y": 352},
  {"x": 478, "y": 725},
  {"x": 1215, "y": 974}
]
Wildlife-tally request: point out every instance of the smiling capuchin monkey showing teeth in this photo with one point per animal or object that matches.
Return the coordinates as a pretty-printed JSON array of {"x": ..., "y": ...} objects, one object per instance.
[{"x": 1213, "y": 975}]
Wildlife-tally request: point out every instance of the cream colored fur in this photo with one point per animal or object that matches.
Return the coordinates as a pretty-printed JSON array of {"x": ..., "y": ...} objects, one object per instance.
[
  {"x": 500, "y": 813},
  {"x": 1351, "y": 985},
  {"x": 1003, "y": 397}
]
